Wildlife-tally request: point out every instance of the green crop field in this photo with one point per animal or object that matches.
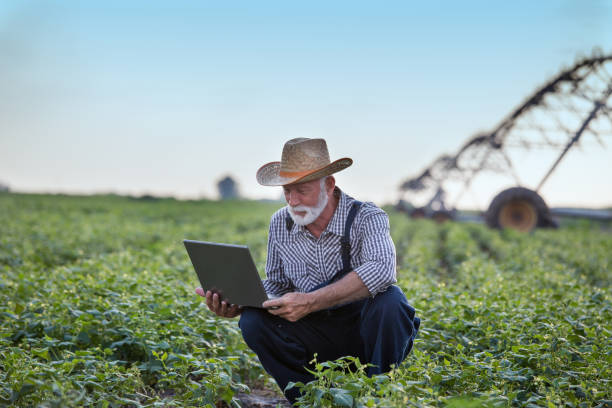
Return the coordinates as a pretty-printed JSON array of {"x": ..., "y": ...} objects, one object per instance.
[{"x": 97, "y": 309}]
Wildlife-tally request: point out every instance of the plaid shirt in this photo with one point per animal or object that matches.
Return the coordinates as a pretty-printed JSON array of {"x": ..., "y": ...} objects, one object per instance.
[{"x": 298, "y": 261}]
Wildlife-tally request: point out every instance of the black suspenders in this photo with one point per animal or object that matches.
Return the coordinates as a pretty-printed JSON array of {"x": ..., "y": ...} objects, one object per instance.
[
  {"x": 345, "y": 244},
  {"x": 345, "y": 241}
]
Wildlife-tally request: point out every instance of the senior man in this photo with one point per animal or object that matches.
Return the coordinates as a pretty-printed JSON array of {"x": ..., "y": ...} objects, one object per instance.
[{"x": 331, "y": 267}]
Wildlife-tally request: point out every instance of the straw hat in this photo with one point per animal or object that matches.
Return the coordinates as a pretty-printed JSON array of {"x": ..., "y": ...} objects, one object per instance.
[{"x": 302, "y": 160}]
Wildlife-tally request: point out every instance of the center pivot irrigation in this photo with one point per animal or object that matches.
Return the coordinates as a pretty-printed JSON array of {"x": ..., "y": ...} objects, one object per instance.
[{"x": 575, "y": 103}]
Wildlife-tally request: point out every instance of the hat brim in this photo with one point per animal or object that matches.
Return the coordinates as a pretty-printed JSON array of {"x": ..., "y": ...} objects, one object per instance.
[{"x": 269, "y": 174}]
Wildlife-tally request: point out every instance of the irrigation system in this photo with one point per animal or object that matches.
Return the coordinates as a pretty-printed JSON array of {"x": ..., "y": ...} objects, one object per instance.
[{"x": 574, "y": 105}]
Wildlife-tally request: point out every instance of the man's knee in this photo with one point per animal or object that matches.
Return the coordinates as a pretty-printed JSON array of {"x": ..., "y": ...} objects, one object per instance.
[
  {"x": 252, "y": 324},
  {"x": 388, "y": 329},
  {"x": 389, "y": 313},
  {"x": 389, "y": 304}
]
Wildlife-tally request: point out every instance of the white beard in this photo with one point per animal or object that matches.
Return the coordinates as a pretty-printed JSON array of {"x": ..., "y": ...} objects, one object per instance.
[{"x": 312, "y": 213}]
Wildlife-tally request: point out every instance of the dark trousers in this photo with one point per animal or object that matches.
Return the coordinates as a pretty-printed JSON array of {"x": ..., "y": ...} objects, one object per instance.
[{"x": 378, "y": 330}]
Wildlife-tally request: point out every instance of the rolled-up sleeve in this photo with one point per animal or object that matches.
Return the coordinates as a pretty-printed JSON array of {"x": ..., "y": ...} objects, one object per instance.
[
  {"x": 377, "y": 270},
  {"x": 276, "y": 282}
]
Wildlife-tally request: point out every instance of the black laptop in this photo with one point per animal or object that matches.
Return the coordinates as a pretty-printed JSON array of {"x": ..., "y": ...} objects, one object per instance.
[{"x": 228, "y": 270}]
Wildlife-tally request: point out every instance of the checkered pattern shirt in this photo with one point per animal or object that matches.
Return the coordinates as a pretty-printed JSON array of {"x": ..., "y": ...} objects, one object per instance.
[{"x": 298, "y": 261}]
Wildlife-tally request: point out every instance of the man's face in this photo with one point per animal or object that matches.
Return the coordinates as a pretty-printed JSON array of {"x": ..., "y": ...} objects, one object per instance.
[{"x": 306, "y": 200}]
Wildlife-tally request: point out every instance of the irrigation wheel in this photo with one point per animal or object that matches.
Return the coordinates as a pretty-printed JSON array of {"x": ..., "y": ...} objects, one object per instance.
[{"x": 518, "y": 208}]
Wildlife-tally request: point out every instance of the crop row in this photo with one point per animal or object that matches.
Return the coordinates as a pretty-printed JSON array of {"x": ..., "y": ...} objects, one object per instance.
[
  {"x": 97, "y": 304},
  {"x": 97, "y": 308}
]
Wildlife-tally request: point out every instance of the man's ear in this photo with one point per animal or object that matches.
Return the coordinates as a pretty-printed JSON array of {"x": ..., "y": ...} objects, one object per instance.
[{"x": 330, "y": 183}]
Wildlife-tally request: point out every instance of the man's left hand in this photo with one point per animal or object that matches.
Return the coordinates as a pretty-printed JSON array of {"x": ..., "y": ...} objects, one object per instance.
[{"x": 291, "y": 306}]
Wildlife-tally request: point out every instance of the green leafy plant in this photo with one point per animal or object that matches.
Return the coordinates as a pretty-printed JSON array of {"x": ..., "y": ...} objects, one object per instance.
[{"x": 97, "y": 309}]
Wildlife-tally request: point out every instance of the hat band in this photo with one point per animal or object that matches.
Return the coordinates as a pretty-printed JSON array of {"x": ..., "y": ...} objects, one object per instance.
[{"x": 295, "y": 173}]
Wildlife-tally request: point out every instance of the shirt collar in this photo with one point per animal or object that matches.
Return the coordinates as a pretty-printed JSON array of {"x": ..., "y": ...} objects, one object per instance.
[{"x": 336, "y": 224}]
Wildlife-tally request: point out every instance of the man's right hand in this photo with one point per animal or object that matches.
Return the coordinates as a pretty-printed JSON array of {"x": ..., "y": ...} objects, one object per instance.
[{"x": 218, "y": 307}]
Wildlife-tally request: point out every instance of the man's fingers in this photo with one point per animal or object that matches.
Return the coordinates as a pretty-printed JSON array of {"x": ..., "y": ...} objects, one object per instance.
[
  {"x": 209, "y": 301},
  {"x": 273, "y": 303},
  {"x": 217, "y": 306},
  {"x": 215, "y": 303},
  {"x": 276, "y": 311}
]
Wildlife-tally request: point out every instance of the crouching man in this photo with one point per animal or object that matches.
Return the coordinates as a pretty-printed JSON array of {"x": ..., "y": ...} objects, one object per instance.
[{"x": 331, "y": 267}]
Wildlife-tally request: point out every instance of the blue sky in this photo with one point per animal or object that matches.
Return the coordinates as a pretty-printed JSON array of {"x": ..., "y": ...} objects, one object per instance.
[{"x": 168, "y": 97}]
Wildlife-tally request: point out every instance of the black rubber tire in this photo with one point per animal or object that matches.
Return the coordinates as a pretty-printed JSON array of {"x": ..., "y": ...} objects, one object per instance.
[{"x": 519, "y": 194}]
